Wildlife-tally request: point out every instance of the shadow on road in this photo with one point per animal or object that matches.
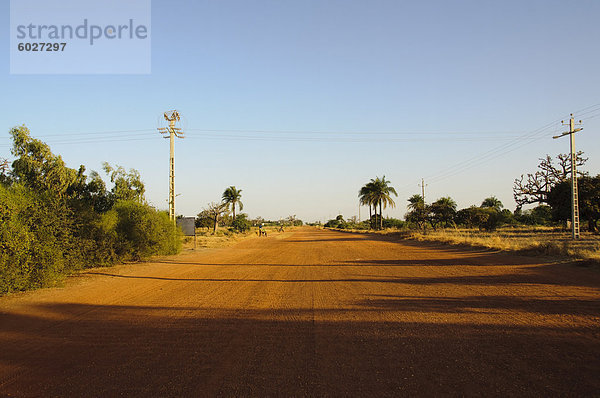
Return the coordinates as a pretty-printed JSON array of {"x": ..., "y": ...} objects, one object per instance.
[{"x": 103, "y": 350}]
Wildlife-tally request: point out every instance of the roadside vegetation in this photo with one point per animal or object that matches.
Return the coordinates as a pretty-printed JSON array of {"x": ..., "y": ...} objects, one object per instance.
[
  {"x": 56, "y": 220},
  {"x": 543, "y": 228},
  {"x": 218, "y": 221}
]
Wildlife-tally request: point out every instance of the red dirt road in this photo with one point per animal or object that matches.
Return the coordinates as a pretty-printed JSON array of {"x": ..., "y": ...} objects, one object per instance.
[{"x": 310, "y": 313}]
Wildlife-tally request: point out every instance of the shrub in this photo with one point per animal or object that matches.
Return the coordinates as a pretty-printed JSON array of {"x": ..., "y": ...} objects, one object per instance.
[
  {"x": 35, "y": 239},
  {"x": 55, "y": 219},
  {"x": 241, "y": 223},
  {"x": 141, "y": 231}
]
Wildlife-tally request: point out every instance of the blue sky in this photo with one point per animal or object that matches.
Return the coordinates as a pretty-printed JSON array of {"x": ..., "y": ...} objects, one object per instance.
[{"x": 299, "y": 103}]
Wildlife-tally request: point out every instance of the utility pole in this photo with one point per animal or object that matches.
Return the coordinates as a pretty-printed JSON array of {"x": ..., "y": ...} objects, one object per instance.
[
  {"x": 574, "y": 194},
  {"x": 423, "y": 185},
  {"x": 171, "y": 132}
]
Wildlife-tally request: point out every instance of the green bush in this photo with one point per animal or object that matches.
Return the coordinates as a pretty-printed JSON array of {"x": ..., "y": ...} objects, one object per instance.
[
  {"x": 35, "y": 239},
  {"x": 55, "y": 219},
  {"x": 141, "y": 231},
  {"x": 241, "y": 223},
  {"x": 393, "y": 223}
]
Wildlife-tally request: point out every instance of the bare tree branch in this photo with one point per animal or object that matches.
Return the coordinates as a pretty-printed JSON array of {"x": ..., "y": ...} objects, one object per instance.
[{"x": 534, "y": 188}]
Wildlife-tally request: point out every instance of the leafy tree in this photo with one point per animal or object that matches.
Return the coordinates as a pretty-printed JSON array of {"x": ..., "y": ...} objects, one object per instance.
[
  {"x": 338, "y": 222},
  {"x": 232, "y": 196},
  {"x": 442, "y": 211},
  {"x": 484, "y": 218},
  {"x": 204, "y": 220},
  {"x": 534, "y": 187},
  {"x": 393, "y": 223},
  {"x": 241, "y": 223},
  {"x": 539, "y": 215},
  {"x": 127, "y": 185},
  {"x": 559, "y": 200},
  {"x": 36, "y": 167},
  {"x": 468, "y": 217}
]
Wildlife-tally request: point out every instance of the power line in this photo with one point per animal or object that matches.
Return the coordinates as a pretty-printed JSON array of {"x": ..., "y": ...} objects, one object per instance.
[{"x": 494, "y": 153}]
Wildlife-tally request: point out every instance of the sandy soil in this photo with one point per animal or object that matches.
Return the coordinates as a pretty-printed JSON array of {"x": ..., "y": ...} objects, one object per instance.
[{"x": 310, "y": 313}]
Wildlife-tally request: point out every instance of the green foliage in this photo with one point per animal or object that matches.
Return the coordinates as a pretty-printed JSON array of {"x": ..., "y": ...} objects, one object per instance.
[
  {"x": 539, "y": 215},
  {"x": 338, "y": 222},
  {"x": 35, "y": 239},
  {"x": 241, "y": 223},
  {"x": 442, "y": 211},
  {"x": 484, "y": 218},
  {"x": 142, "y": 232},
  {"x": 417, "y": 211},
  {"x": 4, "y": 171},
  {"x": 127, "y": 185},
  {"x": 559, "y": 199},
  {"x": 493, "y": 203},
  {"x": 204, "y": 220},
  {"x": 377, "y": 192},
  {"x": 36, "y": 167},
  {"x": 393, "y": 223},
  {"x": 232, "y": 196},
  {"x": 56, "y": 219}
]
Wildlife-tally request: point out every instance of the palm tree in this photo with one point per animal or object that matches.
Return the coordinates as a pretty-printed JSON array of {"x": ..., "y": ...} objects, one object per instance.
[
  {"x": 383, "y": 196},
  {"x": 417, "y": 210},
  {"x": 366, "y": 198},
  {"x": 232, "y": 196},
  {"x": 444, "y": 210},
  {"x": 493, "y": 203},
  {"x": 377, "y": 192}
]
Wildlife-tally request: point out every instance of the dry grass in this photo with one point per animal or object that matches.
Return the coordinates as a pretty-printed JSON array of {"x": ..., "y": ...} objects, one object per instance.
[
  {"x": 543, "y": 241},
  {"x": 206, "y": 240},
  {"x": 223, "y": 238}
]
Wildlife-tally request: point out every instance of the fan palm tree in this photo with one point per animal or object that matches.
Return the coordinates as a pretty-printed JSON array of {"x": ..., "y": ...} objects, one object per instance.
[
  {"x": 493, "y": 203},
  {"x": 417, "y": 210},
  {"x": 366, "y": 198},
  {"x": 444, "y": 210},
  {"x": 232, "y": 197},
  {"x": 383, "y": 196},
  {"x": 378, "y": 192}
]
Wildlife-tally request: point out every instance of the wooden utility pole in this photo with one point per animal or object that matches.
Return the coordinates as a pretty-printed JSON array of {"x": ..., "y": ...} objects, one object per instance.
[
  {"x": 171, "y": 132},
  {"x": 574, "y": 193}
]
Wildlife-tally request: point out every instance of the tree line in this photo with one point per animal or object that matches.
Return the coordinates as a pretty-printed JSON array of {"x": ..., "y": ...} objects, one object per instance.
[
  {"x": 549, "y": 188},
  {"x": 56, "y": 219}
]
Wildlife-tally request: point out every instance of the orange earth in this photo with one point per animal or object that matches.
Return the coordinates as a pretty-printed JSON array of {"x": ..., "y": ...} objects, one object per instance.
[{"x": 310, "y": 313}]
